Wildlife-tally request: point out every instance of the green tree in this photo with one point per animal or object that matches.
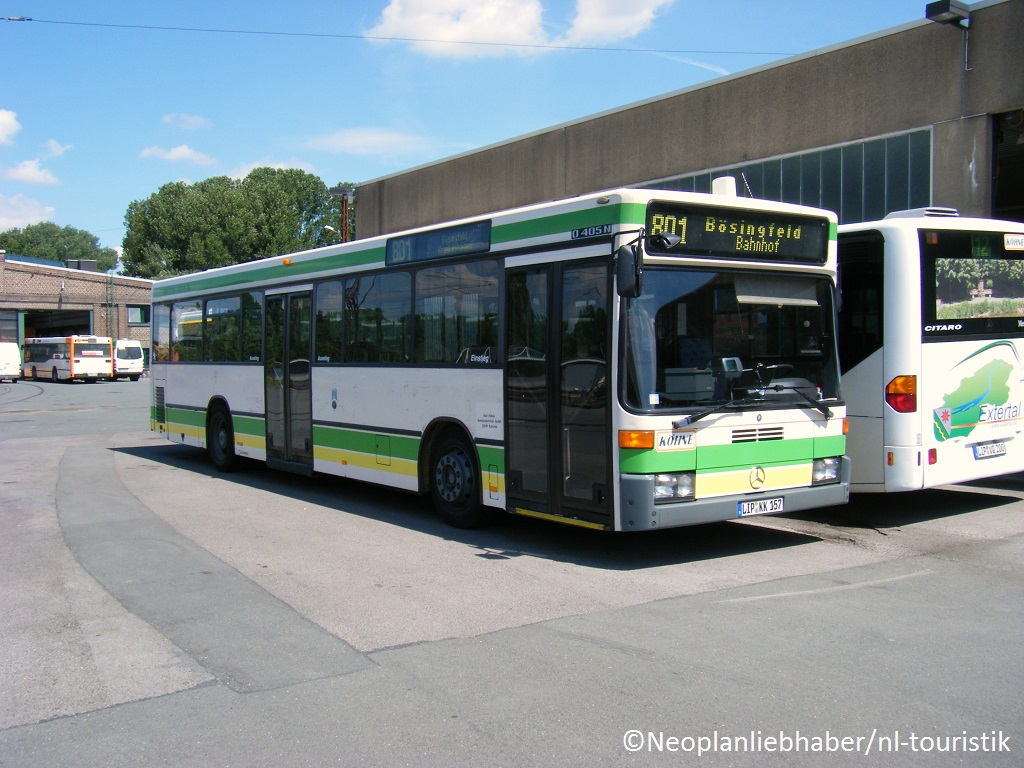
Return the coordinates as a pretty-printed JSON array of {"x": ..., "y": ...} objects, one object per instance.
[
  {"x": 186, "y": 228},
  {"x": 49, "y": 241}
]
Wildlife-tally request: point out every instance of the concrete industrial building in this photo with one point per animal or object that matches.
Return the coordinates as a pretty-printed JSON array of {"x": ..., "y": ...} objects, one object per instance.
[
  {"x": 922, "y": 114},
  {"x": 46, "y": 298}
]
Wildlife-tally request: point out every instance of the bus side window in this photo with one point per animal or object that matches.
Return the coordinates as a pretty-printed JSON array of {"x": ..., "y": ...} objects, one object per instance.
[
  {"x": 186, "y": 330},
  {"x": 252, "y": 327},
  {"x": 330, "y": 310},
  {"x": 161, "y": 332}
]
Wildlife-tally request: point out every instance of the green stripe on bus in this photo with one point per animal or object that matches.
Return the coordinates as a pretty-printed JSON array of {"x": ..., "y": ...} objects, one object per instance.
[
  {"x": 566, "y": 222},
  {"x": 399, "y": 446},
  {"x": 833, "y": 445},
  {"x": 721, "y": 457},
  {"x": 189, "y": 416},
  {"x": 249, "y": 425},
  {"x": 276, "y": 271}
]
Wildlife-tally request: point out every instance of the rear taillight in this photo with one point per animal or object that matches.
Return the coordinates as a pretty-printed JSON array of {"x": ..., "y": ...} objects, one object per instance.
[{"x": 901, "y": 394}]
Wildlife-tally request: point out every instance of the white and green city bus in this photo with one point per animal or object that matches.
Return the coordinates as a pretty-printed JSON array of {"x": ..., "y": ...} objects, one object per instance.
[
  {"x": 630, "y": 360},
  {"x": 931, "y": 344}
]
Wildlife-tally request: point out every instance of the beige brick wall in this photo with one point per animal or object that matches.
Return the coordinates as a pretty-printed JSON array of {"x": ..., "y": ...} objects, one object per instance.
[{"x": 36, "y": 287}]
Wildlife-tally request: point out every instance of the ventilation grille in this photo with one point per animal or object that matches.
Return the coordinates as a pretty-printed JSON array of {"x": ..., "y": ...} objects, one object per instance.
[
  {"x": 757, "y": 434},
  {"x": 158, "y": 401}
]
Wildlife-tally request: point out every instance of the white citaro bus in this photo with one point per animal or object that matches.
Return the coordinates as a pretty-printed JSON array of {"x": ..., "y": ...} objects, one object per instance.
[
  {"x": 629, "y": 360},
  {"x": 931, "y": 343},
  {"x": 65, "y": 358}
]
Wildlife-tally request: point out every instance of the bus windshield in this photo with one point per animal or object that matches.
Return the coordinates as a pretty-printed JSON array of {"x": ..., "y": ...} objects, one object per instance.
[{"x": 701, "y": 337}]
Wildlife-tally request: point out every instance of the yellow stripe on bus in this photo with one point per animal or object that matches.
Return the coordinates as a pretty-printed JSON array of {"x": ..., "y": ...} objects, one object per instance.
[
  {"x": 253, "y": 442},
  {"x": 364, "y": 460},
  {"x": 739, "y": 481},
  {"x": 557, "y": 519},
  {"x": 173, "y": 428}
]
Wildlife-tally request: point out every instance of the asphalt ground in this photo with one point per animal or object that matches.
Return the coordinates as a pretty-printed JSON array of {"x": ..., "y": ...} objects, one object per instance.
[{"x": 157, "y": 612}]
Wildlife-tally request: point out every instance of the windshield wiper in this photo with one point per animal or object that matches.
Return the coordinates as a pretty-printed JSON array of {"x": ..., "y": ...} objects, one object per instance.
[
  {"x": 823, "y": 409},
  {"x": 687, "y": 420}
]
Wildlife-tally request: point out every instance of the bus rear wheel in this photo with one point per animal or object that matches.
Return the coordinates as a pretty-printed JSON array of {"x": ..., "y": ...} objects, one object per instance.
[
  {"x": 455, "y": 483},
  {"x": 220, "y": 440}
]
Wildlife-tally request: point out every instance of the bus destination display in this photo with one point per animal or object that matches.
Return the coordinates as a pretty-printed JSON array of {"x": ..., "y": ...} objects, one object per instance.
[
  {"x": 738, "y": 234},
  {"x": 447, "y": 243}
]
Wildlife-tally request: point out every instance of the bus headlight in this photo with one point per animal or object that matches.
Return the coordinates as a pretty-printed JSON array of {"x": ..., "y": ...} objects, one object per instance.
[
  {"x": 825, "y": 471},
  {"x": 676, "y": 487}
]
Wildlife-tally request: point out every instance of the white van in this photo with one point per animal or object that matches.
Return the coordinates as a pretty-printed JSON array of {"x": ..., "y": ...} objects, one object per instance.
[
  {"x": 10, "y": 361},
  {"x": 128, "y": 359}
]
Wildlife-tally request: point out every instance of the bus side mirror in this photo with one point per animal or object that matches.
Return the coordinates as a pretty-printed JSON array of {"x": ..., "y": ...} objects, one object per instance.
[{"x": 628, "y": 271}]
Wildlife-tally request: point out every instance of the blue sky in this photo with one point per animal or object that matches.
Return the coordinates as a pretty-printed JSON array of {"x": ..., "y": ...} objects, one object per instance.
[{"x": 101, "y": 103}]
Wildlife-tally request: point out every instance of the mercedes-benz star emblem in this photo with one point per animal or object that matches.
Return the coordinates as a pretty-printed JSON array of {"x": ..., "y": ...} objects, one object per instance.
[{"x": 756, "y": 477}]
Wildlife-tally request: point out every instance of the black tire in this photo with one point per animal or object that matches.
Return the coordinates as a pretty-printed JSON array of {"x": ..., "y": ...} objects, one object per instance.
[
  {"x": 455, "y": 483},
  {"x": 220, "y": 440}
]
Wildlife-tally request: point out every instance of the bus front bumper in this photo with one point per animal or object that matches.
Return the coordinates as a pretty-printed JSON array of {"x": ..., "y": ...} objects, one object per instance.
[{"x": 640, "y": 513}]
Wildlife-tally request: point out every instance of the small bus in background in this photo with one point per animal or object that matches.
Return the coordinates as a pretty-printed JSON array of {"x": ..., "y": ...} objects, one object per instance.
[
  {"x": 931, "y": 347},
  {"x": 65, "y": 358},
  {"x": 128, "y": 359}
]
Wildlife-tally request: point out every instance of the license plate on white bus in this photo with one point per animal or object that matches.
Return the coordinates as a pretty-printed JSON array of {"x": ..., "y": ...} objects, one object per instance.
[
  {"x": 988, "y": 450},
  {"x": 760, "y": 507}
]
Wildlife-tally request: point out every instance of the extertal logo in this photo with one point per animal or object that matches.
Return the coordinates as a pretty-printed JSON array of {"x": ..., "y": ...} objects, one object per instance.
[{"x": 980, "y": 398}]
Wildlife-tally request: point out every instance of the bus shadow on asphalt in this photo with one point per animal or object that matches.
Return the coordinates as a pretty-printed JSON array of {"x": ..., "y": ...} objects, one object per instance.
[
  {"x": 507, "y": 537},
  {"x": 895, "y": 510}
]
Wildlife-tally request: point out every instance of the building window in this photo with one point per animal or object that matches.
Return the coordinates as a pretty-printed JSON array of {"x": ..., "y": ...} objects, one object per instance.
[
  {"x": 862, "y": 181},
  {"x": 8, "y": 325},
  {"x": 138, "y": 314}
]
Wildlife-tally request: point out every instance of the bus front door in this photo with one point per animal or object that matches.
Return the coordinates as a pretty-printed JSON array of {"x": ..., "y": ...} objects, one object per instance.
[
  {"x": 289, "y": 404},
  {"x": 558, "y": 440}
]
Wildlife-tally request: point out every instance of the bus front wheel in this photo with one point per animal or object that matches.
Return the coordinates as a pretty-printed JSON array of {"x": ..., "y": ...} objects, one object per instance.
[
  {"x": 220, "y": 440},
  {"x": 455, "y": 483}
]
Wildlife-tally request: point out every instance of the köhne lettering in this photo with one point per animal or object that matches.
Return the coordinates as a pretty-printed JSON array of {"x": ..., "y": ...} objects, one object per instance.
[{"x": 675, "y": 440}]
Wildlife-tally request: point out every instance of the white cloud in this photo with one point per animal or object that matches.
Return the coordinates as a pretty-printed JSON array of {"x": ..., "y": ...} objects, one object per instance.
[
  {"x": 181, "y": 153},
  {"x": 9, "y": 126},
  {"x": 28, "y": 172},
  {"x": 55, "y": 149},
  {"x": 372, "y": 142},
  {"x": 604, "y": 21},
  {"x": 20, "y": 211},
  {"x": 455, "y": 21},
  {"x": 185, "y": 121},
  {"x": 450, "y": 24}
]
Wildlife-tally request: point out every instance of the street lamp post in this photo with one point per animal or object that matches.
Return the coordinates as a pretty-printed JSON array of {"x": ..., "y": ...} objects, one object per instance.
[{"x": 344, "y": 192}]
